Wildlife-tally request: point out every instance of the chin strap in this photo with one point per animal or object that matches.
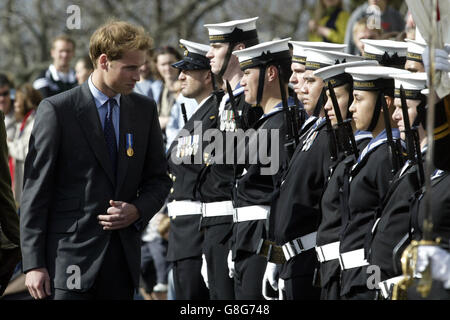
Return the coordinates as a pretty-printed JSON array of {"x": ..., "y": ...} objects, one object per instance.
[
  {"x": 226, "y": 61},
  {"x": 320, "y": 103},
  {"x": 262, "y": 75},
  {"x": 376, "y": 113}
]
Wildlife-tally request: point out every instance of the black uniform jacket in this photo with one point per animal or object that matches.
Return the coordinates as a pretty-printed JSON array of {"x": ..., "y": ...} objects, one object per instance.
[
  {"x": 295, "y": 208},
  {"x": 185, "y": 239},
  {"x": 216, "y": 180},
  {"x": 368, "y": 187},
  {"x": 394, "y": 222},
  {"x": 440, "y": 210},
  {"x": 331, "y": 221},
  {"x": 255, "y": 187},
  {"x": 442, "y": 134}
]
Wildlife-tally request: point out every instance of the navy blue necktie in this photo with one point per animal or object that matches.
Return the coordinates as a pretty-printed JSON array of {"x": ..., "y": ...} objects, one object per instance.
[{"x": 110, "y": 134}]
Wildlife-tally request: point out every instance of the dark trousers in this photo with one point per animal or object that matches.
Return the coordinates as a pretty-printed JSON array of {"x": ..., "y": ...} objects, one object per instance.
[
  {"x": 250, "y": 270},
  {"x": 331, "y": 291},
  {"x": 113, "y": 280},
  {"x": 301, "y": 288},
  {"x": 360, "y": 293},
  {"x": 221, "y": 286},
  {"x": 188, "y": 281}
]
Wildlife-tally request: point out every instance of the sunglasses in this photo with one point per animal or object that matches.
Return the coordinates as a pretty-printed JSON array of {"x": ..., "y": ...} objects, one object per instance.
[{"x": 4, "y": 93}]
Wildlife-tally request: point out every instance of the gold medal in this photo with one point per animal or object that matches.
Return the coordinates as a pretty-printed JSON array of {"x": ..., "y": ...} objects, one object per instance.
[{"x": 129, "y": 145}]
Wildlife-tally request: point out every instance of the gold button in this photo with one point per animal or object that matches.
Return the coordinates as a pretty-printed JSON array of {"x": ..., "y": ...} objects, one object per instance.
[{"x": 171, "y": 190}]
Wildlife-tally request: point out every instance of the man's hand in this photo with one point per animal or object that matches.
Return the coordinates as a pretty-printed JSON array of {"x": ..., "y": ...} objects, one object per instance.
[
  {"x": 38, "y": 283},
  {"x": 120, "y": 215}
]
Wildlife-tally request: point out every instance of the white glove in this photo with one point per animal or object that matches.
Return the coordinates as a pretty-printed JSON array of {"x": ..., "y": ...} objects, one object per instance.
[
  {"x": 230, "y": 262},
  {"x": 440, "y": 263},
  {"x": 204, "y": 271},
  {"x": 281, "y": 288},
  {"x": 441, "y": 57},
  {"x": 270, "y": 278}
]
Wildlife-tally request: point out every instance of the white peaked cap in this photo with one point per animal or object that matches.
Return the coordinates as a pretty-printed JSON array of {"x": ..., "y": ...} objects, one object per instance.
[
  {"x": 228, "y": 27},
  {"x": 415, "y": 48},
  {"x": 316, "y": 59},
  {"x": 379, "y": 47},
  {"x": 411, "y": 81},
  {"x": 337, "y": 69},
  {"x": 373, "y": 73},
  {"x": 258, "y": 50},
  {"x": 300, "y": 46},
  {"x": 195, "y": 47}
]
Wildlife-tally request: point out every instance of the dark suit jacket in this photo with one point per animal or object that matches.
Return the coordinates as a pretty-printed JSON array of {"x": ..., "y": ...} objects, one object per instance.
[{"x": 69, "y": 181}]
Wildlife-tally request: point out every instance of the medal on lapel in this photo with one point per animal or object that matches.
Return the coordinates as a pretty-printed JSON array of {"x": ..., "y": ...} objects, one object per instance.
[
  {"x": 190, "y": 147},
  {"x": 129, "y": 146},
  {"x": 227, "y": 123},
  {"x": 232, "y": 121},
  {"x": 183, "y": 147},
  {"x": 179, "y": 148},
  {"x": 222, "y": 121},
  {"x": 195, "y": 147}
]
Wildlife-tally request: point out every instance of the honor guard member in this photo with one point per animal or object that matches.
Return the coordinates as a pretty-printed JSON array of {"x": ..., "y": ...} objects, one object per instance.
[
  {"x": 185, "y": 163},
  {"x": 390, "y": 234},
  {"x": 58, "y": 77},
  {"x": 217, "y": 178},
  {"x": 294, "y": 211},
  {"x": 388, "y": 53},
  {"x": 368, "y": 181},
  {"x": 298, "y": 65},
  {"x": 414, "y": 60},
  {"x": 266, "y": 74},
  {"x": 350, "y": 143},
  {"x": 433, "y": 261},
  {"x": 442, "y": 119}
]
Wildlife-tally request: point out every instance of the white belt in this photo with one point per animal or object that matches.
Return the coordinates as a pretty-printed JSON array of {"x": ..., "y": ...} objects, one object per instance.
[
  {"x": 299, "y": 245},
  {"x": 251, "y": 213},
  {"x": 328, "y": 252},
  {"x": 184, "y": 208},
  {"x": 216, "y": 209},
  {"x": 385, "y": 286},
  {"x": 352, "y": 259}
]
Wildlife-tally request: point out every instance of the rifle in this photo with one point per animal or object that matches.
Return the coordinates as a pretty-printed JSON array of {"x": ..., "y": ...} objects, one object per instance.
[
  {"x": 290, "y": 119},
  {"x": 332, "y": 142},
  {"x": 394, "y": 148},
  {"x": 414, "y": 154},
  {"x": 344, "y": 128},
  {"x": 183, "y": 111}
]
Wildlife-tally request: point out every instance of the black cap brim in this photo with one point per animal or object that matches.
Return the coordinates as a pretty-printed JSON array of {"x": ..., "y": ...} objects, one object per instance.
[{"x": 185, "y": 65}]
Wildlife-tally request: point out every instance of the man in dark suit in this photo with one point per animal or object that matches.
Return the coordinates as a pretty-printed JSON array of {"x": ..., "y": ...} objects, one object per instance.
[{"x": 94, "y": 176}]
